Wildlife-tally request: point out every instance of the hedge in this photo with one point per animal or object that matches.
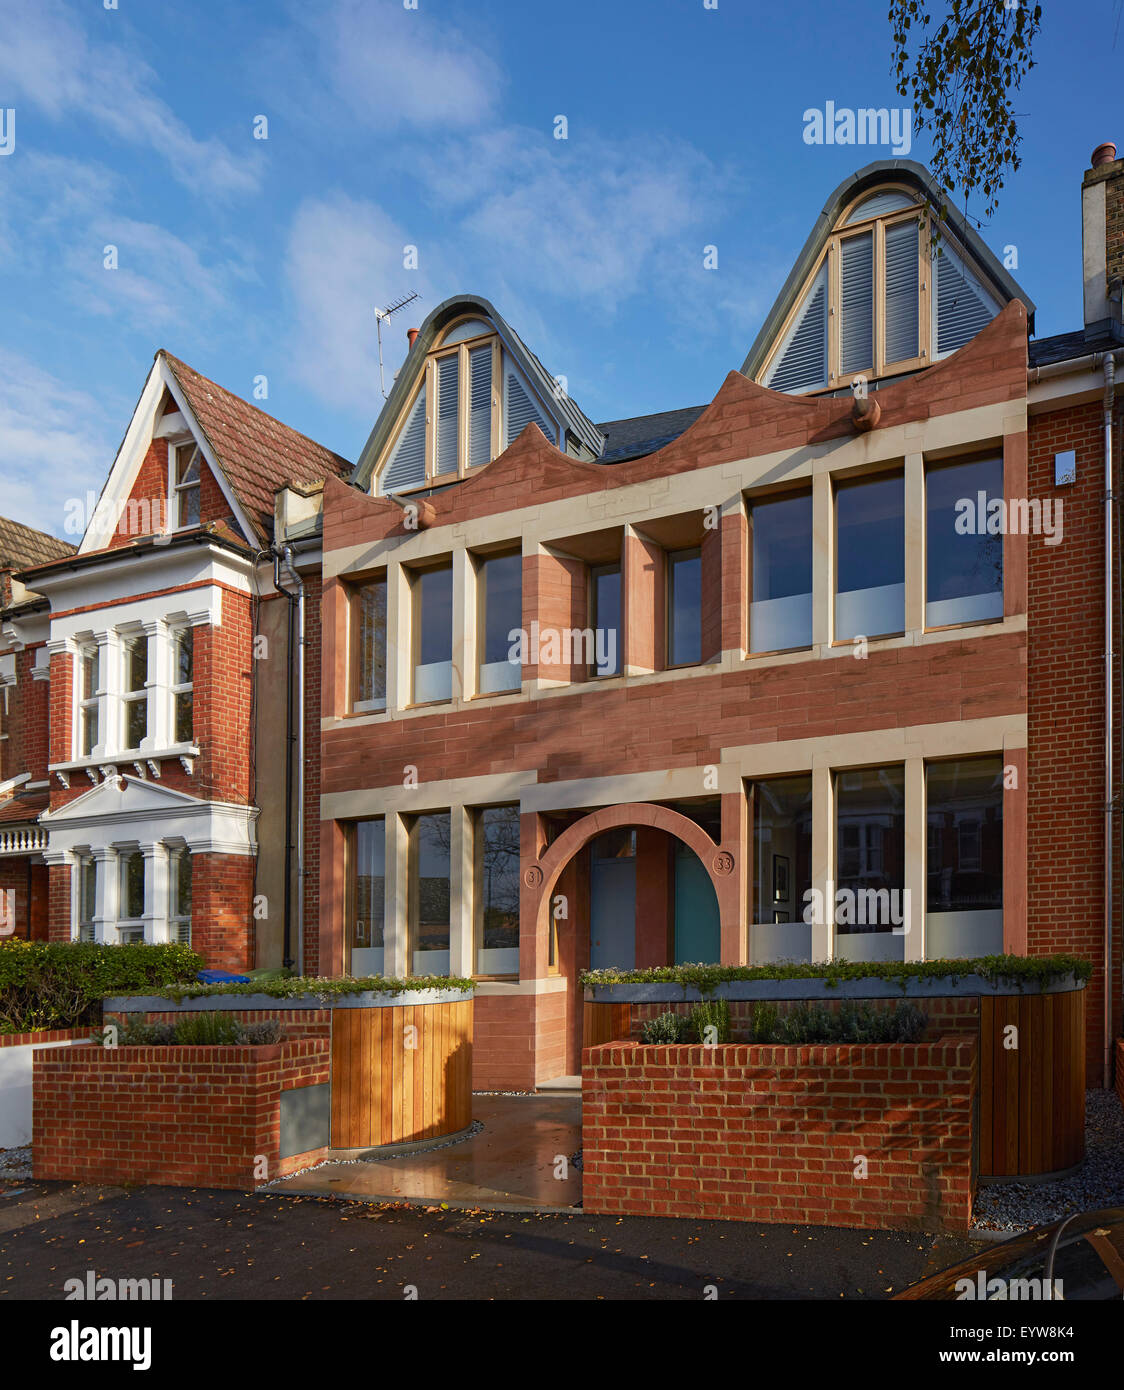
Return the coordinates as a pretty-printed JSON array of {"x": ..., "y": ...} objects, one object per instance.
[
  {"x": 325, "y": 987},
  {"x": 61, "y": 984},
  {"x": 1038, "y": 971}
]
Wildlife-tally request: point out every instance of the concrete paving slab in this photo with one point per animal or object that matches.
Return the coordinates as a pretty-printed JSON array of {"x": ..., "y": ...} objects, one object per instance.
[{"x": 509, "y": 1165}]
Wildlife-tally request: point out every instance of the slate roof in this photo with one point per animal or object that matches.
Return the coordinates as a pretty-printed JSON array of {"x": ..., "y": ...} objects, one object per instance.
[
  {"x": 1063, "y": 347},
  {"x": 644, "y": 434},
  {"x": 257, "y": 453},
  {"x": 21, "y": 546}
]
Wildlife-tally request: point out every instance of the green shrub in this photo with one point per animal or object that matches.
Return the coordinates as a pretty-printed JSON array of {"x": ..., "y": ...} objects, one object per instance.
[
  {"x": 667, "y": 1027},
  {"x": 135, "y": 1032},
  {"x": 323, "y": 987},
  {"x": 214, "y": 1029},
  {"x": 712, "y": 1013},
  {"x": 849, "y": 1023},
  {"x": 61, "y": 984},
  {"x": 263, "y": 1034}
]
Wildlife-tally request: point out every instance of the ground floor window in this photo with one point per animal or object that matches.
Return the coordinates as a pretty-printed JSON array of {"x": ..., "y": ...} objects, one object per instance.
[
  {"x": 429, "y": 910},
  {"x": 781, "y": 815},
  {"x": 964, "y": 857},
  {"x": 870, "y": 860},
  {"x": 87, "y": 897},
  {"x": 130, "y": 902},
  {"x": 179, "y": 907},
  {"x": 367, "y": 897},
  {"x": 497, "y": 890}
]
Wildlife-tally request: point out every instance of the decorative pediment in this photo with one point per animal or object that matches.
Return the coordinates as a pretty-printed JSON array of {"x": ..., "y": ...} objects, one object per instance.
[{"x": 121, "y": 796}]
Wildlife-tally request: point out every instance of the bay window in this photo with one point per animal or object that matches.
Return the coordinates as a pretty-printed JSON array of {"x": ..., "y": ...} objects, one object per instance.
[
  {"x": 89, "y": 685},
  {"x": 179, "y": 897},
  {"x": 131, "y": 896},
  {"x": 87, "y": 897},
  {"x": 134, "y": 697},
  {"x": 183, "y": 677}
]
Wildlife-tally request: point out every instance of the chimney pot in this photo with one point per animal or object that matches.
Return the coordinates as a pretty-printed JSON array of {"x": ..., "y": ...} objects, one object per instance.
[
  {"x": 412, "y": 333},
  {"x": 1103, "y": 154}
]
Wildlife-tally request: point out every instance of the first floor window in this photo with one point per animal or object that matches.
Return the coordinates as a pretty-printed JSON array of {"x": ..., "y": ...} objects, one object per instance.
[
  {"x": 179, "y": 907},
  {"x": 370, "y": 645},
  {"x": 429, "y": 909},
  {"x": 497, "y": 891},
  {"x": 684, "y": 607},
  {"x": 89, "y": 685},
  {"x": 605, "y": 606},
  {"x": 963, "y": 546},
  {"x": 183, "y": 677},
  {"x": 131, "y": 891},
  {"x": 870, "y": 853},
  {"x": 87, "y": 897},
  {"x": 135, "y": 697},
  {"x": 433, "y": 635},
  {"x": 780, "y": 611},
  {"x": 499, "y": 612},
  {"x": 870, "y": 557},
  {"x": 368, "y": 900},
  {"x": 189, "y": 466}
]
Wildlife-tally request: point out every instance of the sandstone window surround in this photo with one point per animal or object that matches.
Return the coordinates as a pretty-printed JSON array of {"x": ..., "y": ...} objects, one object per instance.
[{"x": 435, "y": 892}]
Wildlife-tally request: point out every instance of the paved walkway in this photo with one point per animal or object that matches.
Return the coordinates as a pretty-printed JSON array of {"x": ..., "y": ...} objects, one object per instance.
[{"x": 519, "y": 1161}]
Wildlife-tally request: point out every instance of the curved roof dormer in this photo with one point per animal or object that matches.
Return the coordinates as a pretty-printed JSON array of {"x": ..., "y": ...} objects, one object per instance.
[
  {"x": 468, "y": 388},
  {"x": 875, "y": 294}
]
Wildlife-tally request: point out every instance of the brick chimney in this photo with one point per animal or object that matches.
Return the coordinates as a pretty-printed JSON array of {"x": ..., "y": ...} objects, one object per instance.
[{"x": 1102, "y": 240}]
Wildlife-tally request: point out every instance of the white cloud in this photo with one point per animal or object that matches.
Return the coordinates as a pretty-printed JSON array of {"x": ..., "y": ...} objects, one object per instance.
[
  {"x": 55, "y": 444},
  {"x": 47, "y": 61},
  {"x": 395, "y": 67},
  {"x": 343, "y": 259}
]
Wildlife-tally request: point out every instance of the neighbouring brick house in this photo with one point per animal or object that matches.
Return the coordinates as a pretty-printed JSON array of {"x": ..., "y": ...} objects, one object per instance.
[
  {"x": 770, "y": 677},
  {"x": 161, "y": 647}
]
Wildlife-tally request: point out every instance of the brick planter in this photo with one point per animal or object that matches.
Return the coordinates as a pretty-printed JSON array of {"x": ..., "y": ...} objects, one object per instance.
[
  {"x": 770, "y": 1133},
  {"x": 172, "y": 1116}
]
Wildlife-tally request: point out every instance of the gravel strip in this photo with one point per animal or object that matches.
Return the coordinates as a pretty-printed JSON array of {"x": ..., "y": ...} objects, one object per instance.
[
  {"x": 1099, "y": 1182},
  {"x": 15, "y": 1164}
]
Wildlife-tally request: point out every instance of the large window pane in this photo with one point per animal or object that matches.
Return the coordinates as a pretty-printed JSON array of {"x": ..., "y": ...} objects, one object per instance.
[
  {"x": 781, "y": 811},
  {"x": 433, "y": 635},
  {"x": 780, "y": 615},
  {"x": 367, "y": 898},
  {"x": 870, "y": 863},
  {"x": 500, "y": 612},
  {"x": 497, "y": 891},
  {"x": 870, "y": 557},
  {"x": 684, "y": 607},
  {"x": 429, "y": 894},
  {"x": 605, "y": 601},
  {"x": 370, "y": 640},
  {"x": 130, "y": 908},
  {"x": 964, "y": 858},
  {"x": 964, "y": 565},
  {"x": 856, "y": 329}
]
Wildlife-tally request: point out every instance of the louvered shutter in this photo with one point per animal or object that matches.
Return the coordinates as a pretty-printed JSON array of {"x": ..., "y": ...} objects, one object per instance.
[
  {"x": 448, "y": 412},
  {"x": 856, "y": 326},
  {"x": 963, "y": 305},
  {"x": 480, "y": 405},
  {"x": 407, "y": 459},
  {"x": 879, "y": 204},
  {"x": 802, "y": 360},
  {"x": 520, "y": 410},
  {"x": 901, "y": 292}
]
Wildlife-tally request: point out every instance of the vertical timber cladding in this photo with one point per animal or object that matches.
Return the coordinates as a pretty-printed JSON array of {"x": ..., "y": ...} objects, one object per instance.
[
  {"x": 1032, "y": 1083},
  {"x": 387, "y": 1091}
]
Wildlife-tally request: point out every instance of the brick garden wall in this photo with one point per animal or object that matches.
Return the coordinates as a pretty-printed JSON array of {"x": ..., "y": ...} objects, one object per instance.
[
  {"x": 169, "y": 1116},
  {"x": 764, "y": 1133}
]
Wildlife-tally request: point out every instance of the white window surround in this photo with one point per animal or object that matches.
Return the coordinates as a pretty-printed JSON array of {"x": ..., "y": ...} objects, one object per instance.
[
  {"x": 177, "y": 445},
  {"x": 158, "y": 923},
  {"x": 160, "y": 689}
]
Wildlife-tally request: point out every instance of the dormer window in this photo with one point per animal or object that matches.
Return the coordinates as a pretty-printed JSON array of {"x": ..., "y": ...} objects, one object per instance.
[
  {"x": 470, "y": 402},
  {"x": 868, "y": 309},
  {"x": 186, "y": 484}
]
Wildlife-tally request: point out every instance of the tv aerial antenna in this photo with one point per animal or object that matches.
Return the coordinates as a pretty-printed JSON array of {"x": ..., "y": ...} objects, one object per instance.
[{"x": 384, "y": 316}]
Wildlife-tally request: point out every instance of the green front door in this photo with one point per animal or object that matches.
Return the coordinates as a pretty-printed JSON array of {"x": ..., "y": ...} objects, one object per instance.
[{"x": 698, "y": 933}]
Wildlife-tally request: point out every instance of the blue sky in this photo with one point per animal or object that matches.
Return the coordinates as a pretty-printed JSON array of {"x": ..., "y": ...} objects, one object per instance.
[{"x": 434, "y": 127}]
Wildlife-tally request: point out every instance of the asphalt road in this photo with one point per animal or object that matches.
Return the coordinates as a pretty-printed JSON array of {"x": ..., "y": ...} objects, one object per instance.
[{"x": 233, "y": 1246}]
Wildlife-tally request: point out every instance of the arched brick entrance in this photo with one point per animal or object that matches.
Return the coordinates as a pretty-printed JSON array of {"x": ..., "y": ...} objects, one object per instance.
[{"x": 541, "y": 874}]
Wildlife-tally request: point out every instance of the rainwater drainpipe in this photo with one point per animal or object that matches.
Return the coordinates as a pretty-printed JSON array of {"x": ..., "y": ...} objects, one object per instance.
[
  {"x": 1109, "y": 666},
  {"x": 285, "y": 557}
]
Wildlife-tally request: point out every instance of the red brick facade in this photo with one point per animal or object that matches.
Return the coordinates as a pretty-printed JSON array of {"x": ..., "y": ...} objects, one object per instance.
[
  {"x": 872, "y": 1136},
  {"x": 170, "y": 1116}
]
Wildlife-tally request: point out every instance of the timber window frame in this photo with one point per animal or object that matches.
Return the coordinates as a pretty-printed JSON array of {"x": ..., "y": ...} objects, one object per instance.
[{"x": 369, "y": 621}]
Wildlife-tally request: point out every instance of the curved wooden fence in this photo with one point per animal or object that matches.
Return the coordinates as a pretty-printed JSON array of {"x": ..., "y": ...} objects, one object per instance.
[{"x": 400, "y": 1074}]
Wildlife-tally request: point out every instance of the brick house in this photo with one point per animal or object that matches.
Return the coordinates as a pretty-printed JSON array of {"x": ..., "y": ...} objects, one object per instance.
[
  {"x": 161, "y": 644},
  {"x": 816, "y": 668}
]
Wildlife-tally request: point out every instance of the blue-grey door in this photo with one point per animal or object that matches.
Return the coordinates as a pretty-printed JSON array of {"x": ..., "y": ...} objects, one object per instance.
[
  {"x": 698, "y": 932},
  {"x": 612, "y": 913}
]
